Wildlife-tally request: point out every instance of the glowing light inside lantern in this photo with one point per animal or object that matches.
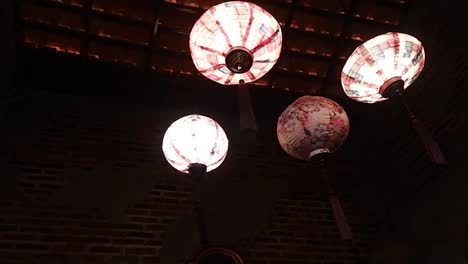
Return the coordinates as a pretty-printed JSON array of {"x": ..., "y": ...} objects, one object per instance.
[
  {"x": 373, "y": 63},
  {"x": 312, "y": 125},
  {"x": 195, "y": 139},
  {"x": 234, "y": 26}
]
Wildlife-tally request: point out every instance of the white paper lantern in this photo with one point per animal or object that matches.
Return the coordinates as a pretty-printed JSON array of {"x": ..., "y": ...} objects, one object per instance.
[
  {"x": 195, "y": 139},
  {"x": 235, "y": 41},
  {"x": 392, "y": 59}
]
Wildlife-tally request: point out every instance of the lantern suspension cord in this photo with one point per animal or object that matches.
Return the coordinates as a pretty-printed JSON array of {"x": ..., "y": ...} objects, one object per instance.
[
  {"x": 324, "y": 174},
  {"x": 198, "y": 171},
  {"x": 431, "y": 146},
  {"x": 340, "y": 218},
  {"x": 338, "y": 212},
  {"x": 247, "y": 115}
]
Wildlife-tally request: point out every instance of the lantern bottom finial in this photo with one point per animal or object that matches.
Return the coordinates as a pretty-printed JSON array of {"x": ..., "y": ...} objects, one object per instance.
[
  {"x": 239, "y": 60},
  {"x": 392, "y": 87},
  {"x": 319, "y": 152},
  {"x": 197, "y": 170}
]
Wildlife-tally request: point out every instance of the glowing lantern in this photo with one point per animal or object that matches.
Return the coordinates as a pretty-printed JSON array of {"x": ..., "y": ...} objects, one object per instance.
[
  {"x": 311, "y": 128},
  {"x": 382, "y": 67},
  {"x": 312, "y": 125},
  {"x": 195, "y": 144},
  {"x": 195, "y": 141},
  {"x": 235, "y": 41}
]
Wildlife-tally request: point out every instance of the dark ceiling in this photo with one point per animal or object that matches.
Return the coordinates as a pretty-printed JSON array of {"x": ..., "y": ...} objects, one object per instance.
[{"x": 153, "y": 35}]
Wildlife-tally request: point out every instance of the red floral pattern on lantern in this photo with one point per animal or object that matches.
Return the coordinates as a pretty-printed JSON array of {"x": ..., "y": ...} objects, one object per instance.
[
  {"x": 378, "y": 60},
  {"x": 231, "y": 25},
  {"x": 312, "y": 125}
]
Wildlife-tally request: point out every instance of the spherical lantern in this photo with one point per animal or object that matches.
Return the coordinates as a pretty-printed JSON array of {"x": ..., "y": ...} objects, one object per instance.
[
  {"x": 382, "y": 67},
  {"x": 195, "y": 139},
  {"x": 312, "y": 125},
  {"x": 235, "y": 41}
]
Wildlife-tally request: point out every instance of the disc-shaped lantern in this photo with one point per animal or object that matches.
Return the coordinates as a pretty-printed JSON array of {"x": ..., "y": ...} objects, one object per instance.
[
  {"x": 236, "y": 43},
  {"x": 382, "y": 67},
  {"x": 311, "y": 128},
  {"x": 312, "y": 125},
  {"x": 195, "y": 140}
]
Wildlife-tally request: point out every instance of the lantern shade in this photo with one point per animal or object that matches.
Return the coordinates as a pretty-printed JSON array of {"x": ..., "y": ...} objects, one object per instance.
[
  {"x": 238, "y": 33},
  {"x": 378, "y": 63},
  {"x": 312, "y": 125},
  {"x": 195, "y": 139}
]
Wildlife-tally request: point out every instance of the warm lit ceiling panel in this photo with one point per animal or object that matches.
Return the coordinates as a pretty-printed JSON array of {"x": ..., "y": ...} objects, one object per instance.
[{"x": 153, "y": 35}]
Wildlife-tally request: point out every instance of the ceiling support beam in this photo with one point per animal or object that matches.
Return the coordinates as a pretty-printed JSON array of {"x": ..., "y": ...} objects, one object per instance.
[
  {"x": 345, "y": 30},
  {"x": 286, "y": 29},
  {"x": 87, "y": 24},
  {"x": 154, "y": 34},
  {"x": 9, "y": 15}
]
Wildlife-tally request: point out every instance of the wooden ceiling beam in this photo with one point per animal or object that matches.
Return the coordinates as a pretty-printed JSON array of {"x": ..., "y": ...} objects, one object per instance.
[
  {"x": 292, "y": 10},
  {"x": 345, "y": 30}
]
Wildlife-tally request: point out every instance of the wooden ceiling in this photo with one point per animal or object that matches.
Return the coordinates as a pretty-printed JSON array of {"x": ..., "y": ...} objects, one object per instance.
[{"x": 153, "y": 35}]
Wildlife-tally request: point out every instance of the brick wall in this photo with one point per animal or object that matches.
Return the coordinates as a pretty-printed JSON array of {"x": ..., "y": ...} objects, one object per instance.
[
  {"x": 303, "y": 230},
  {"x": 68, "y": 134}
]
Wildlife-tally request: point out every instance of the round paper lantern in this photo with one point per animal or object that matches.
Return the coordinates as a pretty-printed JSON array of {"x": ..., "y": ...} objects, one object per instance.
[
  {"x": 235, "y": 41},
  {"x": 195, "y": 139},
  {"x": 312, "y": 125},
  {"x": 382, "y": 67}
]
